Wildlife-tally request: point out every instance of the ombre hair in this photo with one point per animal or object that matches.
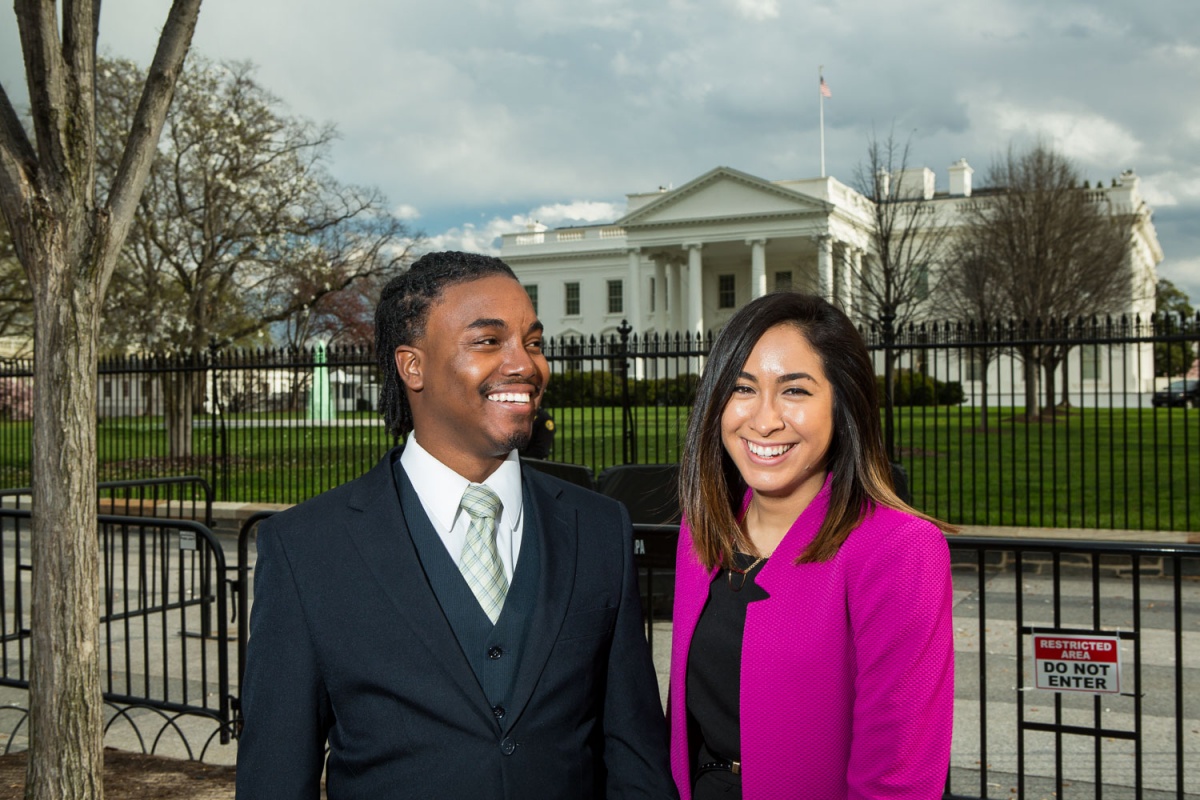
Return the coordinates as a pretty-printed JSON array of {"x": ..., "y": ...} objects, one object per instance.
[{"x": 711, "y": 490}]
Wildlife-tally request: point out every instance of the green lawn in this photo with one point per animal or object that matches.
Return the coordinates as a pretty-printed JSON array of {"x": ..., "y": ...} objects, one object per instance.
[{"x": 1092, "y": 468}]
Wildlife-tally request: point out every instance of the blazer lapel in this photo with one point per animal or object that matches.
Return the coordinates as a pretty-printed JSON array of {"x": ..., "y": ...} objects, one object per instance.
[
  {"x": 556, "y": 526},
  {"x": 376, "y": 527}
]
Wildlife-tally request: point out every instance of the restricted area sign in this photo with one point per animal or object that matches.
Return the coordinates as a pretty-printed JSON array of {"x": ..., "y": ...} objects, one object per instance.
[{"x": 1070, "y": 663}]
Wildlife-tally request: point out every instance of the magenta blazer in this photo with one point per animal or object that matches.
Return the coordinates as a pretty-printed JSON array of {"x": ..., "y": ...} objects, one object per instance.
[{"x": 847, "y": 681}]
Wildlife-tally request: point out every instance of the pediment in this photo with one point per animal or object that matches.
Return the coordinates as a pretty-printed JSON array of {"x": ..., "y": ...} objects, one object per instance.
[{"x": 723, "y": 193}]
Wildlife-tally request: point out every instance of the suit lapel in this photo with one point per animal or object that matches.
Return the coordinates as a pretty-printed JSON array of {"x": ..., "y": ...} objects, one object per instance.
[
  {"x": 556, "y": 525},
  {"x": 377, "y": 528}
]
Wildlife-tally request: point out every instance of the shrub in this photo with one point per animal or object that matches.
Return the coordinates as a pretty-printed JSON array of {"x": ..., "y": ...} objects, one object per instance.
[
  {"x": 915, "y": 389},
  {"x": 677, "y": 391},
  {"x": 582, "y": 389}
]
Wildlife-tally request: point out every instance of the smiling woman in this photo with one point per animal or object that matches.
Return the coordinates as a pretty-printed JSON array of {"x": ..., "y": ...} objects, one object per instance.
[{"x": 822, "y": 665}]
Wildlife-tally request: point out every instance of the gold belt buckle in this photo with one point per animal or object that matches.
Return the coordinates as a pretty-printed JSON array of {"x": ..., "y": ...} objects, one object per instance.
[{"x": 735, "y": 767}]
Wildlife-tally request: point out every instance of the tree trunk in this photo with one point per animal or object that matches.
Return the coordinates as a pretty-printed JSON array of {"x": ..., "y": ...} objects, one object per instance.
[
  {"x": 1029, "y": 367},
  {"x": 983, "y": 411},
  {"x": 1051, "y": 368},
  {"x": 177, "y": 411},
  {"x": 66, "y": 712}
]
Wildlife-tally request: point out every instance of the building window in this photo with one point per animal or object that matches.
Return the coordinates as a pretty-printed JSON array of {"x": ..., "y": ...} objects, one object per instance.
[
  {"x": 976, "y": 365},
  {"x": 652, "y": 297},
  {"x": 922, "y": 282},
  {"x": 726, "y": 293},
  {"x": 572, "y": 308},
  {"x": 531, "y": 290},
  {"x": 1089, "y": 362},
  {"x": 783, "y": 281},
  {"x": 616, "y": 297}
]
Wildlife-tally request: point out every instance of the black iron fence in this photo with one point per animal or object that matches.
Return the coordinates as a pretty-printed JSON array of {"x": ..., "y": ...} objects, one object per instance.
[
  {"x": 1128, "y": 733},
  {"x": 164, "y": 631},
  {"x": 1107, "y": 706},
  {"x": 1088, "y": 423}
]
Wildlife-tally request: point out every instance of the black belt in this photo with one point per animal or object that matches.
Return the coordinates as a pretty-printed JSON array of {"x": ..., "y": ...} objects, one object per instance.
[
  {"x": 720, "y": 766},
  {"x": 712, "y": 762}
]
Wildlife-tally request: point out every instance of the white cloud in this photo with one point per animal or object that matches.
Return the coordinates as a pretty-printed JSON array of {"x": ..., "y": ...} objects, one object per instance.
[
  {"x": 758, "y": 10},
  {"x": 406, "y": 211},
  {"x": 1185, "y": 274},
  {"x": 1082, "y": 135},
  {"x": 485, "y": 238},
  {"x": 1172, "y": 188},
  {"x": 579, "y": 211}
]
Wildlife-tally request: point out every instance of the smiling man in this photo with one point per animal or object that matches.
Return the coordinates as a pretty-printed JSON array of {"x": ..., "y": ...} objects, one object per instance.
[{"x": 450, "y": 625}]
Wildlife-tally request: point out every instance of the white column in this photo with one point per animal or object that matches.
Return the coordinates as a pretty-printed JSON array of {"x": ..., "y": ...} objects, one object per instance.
[
  {"x": 660, "y": 294},
  {"x": 633, "y": 293},
  {"x": 856, "y": 266},
  {"x": 845, "y": 289},
  {"x": 695, "y": 289},
  {"x": 758, "y": 267},
  {"x": 825, "y": 265},
  {"x": 676, "y": 298}
]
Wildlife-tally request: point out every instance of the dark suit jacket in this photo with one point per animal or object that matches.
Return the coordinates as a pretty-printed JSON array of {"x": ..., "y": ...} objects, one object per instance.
[{"x": 349, "y": 643}]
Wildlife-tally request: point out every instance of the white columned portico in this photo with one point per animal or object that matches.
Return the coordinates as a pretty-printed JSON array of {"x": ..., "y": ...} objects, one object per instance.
[
  {"x": 695, "y": 288},
  {"x": 758, "y": 267},
  {"x": 660, "y": 294},
  {"x": 675, "y": 301},
  {"x": 633, "y": 304},
  {"x": 824, "y": 265}
]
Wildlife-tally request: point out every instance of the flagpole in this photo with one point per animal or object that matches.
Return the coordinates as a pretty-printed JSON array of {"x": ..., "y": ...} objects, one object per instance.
[{"x": 821, "y": 96}]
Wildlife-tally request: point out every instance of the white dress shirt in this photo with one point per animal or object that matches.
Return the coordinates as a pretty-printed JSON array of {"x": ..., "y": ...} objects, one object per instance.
[{"x": 441, "y": 489}]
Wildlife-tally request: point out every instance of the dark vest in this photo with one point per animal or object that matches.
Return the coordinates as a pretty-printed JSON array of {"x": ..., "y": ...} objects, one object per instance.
[{"x": 493, "y": 651}]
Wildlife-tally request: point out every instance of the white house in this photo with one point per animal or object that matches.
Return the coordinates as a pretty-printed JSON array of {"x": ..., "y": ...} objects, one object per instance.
[{"x": 683, "y": 260}]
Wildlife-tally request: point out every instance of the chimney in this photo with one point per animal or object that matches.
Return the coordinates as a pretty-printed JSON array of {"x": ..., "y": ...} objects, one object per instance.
[
  {"x": 960, "y": 178},
  {"x": 883, "y": 182}
]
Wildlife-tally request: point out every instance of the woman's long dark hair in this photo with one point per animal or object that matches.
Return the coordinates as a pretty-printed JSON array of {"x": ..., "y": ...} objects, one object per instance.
[{"x": 710, "y": 487}]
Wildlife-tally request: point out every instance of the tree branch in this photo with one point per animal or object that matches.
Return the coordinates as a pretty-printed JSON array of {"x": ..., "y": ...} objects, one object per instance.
[
  {"x": 148, "y": 123},
  {"x": 18, "y": 163},
  {"x": 38, "y": 25}
]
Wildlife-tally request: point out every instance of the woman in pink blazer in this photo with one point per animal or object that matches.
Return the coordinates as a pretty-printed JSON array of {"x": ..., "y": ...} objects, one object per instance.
[{"x": 812, "y": 654}]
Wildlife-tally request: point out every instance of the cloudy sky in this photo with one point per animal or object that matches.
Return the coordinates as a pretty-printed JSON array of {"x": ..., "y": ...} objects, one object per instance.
[{"x": 476, "y": 116}]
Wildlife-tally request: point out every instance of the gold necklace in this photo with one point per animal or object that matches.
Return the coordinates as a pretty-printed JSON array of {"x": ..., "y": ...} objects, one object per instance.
[{"x": 742, "y": 572}]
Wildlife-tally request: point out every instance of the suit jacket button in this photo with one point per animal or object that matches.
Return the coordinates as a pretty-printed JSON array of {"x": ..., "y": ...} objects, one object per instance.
[
  {"x": 495, "y": 652},
  {"x": 508, "y": 746},
  {"x": 498, "y": 712}
]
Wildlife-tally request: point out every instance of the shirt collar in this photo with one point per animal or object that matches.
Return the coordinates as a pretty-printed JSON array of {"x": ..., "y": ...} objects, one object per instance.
[{"x": 441, "y": 488}]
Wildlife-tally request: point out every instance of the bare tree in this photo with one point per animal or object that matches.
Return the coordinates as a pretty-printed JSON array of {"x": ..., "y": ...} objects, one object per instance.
[
  {"x": 344, "y": 318},
  {"x": 907, "y": 239},
  {"x": 1053, "y": 251},
  {"x": 968, "y": 293},
  {"x": 241, "y": 226},
  {"x": 907, "y": 242},
  {"x": 68, "y": 241}
]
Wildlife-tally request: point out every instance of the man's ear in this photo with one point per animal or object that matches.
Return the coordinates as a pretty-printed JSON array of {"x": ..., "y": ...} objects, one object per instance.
[{"x": 409, "y": 362}]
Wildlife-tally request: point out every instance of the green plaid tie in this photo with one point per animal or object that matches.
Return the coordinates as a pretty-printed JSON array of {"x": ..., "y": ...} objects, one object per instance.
[{"x": 480, "y": 561}]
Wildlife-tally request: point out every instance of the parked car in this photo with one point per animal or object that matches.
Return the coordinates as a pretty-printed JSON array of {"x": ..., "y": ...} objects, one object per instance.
[{"x": 1185, "y": 392}]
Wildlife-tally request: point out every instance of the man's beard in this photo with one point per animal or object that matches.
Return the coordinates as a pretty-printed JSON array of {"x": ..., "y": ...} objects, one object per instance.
[{"x": 518, "y": 441}]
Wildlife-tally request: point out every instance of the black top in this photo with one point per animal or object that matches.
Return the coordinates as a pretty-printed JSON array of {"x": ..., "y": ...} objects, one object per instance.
[{"x": 714, "y": 676}]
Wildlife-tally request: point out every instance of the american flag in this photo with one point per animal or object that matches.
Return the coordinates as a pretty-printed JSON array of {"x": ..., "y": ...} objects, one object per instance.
[{"x": 825, "y": 88}]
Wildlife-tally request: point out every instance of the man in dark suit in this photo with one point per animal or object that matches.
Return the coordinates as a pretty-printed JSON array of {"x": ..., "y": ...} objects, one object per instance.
[{"x": 452, "y": 625}]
